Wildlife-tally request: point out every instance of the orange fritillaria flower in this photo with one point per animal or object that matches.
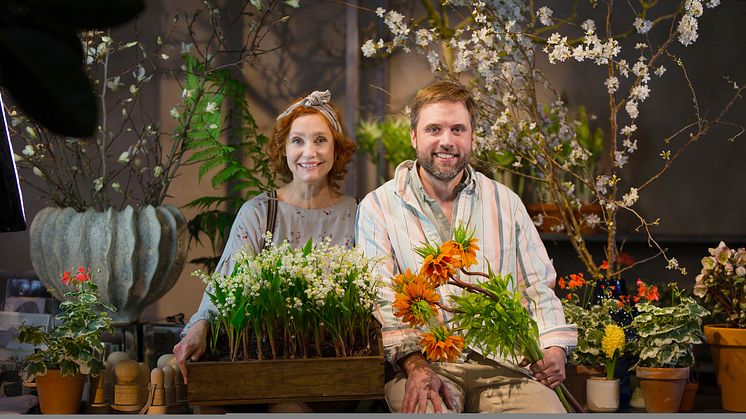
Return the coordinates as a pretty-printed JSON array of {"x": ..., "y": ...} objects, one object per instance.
[
  {"x": 439, "y": 345},
  {"x": 416, "y": 303},
  {"x": 463, "y": 257},
  {"x": 437, "y": 268},
  {"x": 402, "y": 279}
]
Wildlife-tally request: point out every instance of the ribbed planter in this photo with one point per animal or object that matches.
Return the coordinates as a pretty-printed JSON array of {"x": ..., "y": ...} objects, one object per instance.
[
  {"x": 135, "y": 256},
  {"x": 662, "y": 388},
  {"x": 728, "y": 348}
]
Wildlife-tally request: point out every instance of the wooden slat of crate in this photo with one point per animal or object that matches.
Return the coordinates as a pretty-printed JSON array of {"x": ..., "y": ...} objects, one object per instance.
[{"x": 269, "y": 381}]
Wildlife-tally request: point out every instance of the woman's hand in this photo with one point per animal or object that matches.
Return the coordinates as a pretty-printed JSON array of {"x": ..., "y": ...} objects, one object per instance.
[{"x": 192, "y": 346}]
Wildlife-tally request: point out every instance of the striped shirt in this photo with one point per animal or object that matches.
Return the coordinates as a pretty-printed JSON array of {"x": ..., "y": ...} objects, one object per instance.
[{"x": 393, "y": 220}]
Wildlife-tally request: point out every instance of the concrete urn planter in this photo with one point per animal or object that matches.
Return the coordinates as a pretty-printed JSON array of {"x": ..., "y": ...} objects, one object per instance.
[{"x": 135, "y": 256}]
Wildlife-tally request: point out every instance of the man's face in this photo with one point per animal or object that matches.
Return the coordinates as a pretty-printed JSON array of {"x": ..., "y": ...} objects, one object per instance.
[{"x": 443, "y": 139}]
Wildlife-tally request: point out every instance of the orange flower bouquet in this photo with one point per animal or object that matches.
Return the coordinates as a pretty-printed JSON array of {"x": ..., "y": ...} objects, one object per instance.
[{"x": 488, "y": 315}]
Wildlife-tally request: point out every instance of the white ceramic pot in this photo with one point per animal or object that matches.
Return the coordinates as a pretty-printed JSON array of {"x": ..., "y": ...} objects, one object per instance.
[{"x": 602, "y": 395}]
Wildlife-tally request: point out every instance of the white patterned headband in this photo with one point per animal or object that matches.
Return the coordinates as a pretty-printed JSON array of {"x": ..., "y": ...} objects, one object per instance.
[{"x": 319, "y": 101}]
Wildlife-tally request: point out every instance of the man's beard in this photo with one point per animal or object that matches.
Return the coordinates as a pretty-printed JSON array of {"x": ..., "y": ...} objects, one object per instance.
[{"x": 444, "y": 174}]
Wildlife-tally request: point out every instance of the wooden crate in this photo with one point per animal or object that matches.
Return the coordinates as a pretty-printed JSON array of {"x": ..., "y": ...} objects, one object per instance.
[{"x": 282, "y": 380}]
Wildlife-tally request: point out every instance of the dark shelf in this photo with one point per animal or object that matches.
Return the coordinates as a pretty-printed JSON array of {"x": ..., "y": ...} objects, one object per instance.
[{"x": 731, "y": 240}]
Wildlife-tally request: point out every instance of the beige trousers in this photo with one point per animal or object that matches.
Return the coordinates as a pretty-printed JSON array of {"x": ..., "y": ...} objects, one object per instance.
[{"x": 481, "y": 385}]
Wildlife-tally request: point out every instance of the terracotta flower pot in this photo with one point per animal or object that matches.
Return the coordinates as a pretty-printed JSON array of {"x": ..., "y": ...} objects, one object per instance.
[
  {"x": 59, "y": 395},
  {"x": 602, "y": 394},
  {"x": 662, "y": 388},
  {"x": 728, "y": 347},
  {"x": 687, "y": 400}
]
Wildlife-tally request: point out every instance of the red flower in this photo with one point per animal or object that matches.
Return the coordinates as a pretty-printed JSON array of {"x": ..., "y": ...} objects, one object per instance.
[
  {"x": 562, "y": 283},
  {"x": 647, "y": 292},
  {"x": 67, "y": 278},
  {"x": 82, "y": 275},
  {"x": 576, "y": 281},
  {"x": 604, "y": 265}
]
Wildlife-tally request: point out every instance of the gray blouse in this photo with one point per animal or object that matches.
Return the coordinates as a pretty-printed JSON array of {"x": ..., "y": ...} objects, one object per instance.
[{"x": 295, "y": 224}]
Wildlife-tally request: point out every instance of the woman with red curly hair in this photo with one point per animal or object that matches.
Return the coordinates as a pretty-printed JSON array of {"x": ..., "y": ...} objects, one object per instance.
[{"x": 309, "y": 147}]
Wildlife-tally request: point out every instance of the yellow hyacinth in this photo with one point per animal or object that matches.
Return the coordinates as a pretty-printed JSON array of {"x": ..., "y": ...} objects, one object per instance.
[
  {"x": 613, "y": 340},
  {"x": 612, "y": 345}
]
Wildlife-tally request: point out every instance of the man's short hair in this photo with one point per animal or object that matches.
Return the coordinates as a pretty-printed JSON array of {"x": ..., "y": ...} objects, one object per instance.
[{"x": 444, "y": 90}]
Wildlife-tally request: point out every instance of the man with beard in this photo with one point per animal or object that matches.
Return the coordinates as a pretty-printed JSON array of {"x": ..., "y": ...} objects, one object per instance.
[{"x": 423, "y": 203}]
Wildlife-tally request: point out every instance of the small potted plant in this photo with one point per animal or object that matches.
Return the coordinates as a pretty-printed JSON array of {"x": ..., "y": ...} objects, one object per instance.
[
  {"x": 602, "y": 393},
  {"x": 71, "y": 348},
  {"x": 664, "y": 348},
  {"x": 722, "y": 286}
]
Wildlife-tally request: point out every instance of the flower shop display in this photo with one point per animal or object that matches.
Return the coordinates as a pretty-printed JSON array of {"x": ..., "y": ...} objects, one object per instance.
[
  {"x": 300, "y": 316},
  {"x": 71, "y": 349},
  {"x": 722, "y": 285},
  {"x": 664, "y": 348},
  {"x": 489, "y": 315}
]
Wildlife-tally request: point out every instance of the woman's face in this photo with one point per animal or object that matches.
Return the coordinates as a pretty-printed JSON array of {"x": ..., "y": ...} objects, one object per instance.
[{"x": 310, "y": 149}]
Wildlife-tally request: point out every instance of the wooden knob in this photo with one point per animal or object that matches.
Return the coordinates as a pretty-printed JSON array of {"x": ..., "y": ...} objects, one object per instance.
[
  {"x": 168, "y": 376},
  {"x": 156, "y": 377},
  {"x": 117, "y": 357},
  {"x": 166, "y": 359},
  {"x": 127, "y": 371},
  {"x": 178, "y": 378}
]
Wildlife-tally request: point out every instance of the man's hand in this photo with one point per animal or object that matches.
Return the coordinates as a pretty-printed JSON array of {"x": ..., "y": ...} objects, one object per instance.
[
  {"x": 550, "y": 370},
  {"x": 192, "y": 346},
  {"x": 423, "y": 384}
]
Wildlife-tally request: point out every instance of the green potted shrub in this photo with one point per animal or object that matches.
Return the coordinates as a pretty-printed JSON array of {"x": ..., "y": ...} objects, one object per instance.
[
  {"x": 666, "y": 336},
  {"x": 71, "y": 348},
  {"x": 722, "y": 285}
]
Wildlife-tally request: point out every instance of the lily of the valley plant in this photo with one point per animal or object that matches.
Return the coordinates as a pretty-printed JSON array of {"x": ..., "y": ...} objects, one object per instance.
[
  {"x": 297, "y": 300},
  {"x": 73, "y": 344},
  {"x": 488, "y": 315}
]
